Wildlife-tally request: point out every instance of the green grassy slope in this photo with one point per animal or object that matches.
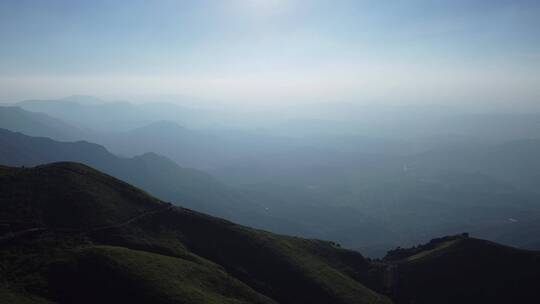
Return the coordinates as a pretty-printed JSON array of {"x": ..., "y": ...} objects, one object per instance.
[
  {"x": 104, "y": 274},
  {"x": 67, "y": 195},
  {"x": 100, "y": 240}
]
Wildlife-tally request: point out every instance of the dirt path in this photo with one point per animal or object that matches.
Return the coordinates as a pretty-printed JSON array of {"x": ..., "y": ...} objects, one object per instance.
[
  {"x": 14, "y": 235},
  {"x": 23, "y": 233},
  {"x": 131, "y": 220}
]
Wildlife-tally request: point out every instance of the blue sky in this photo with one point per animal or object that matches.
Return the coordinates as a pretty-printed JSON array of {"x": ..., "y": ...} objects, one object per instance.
[{"x": 273, "y": 50}]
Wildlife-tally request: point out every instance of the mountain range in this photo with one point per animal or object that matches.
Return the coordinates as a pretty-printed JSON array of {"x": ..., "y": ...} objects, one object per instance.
[
  {"x": 191, "y": 188},
  {"x": 330, "y": 189}
]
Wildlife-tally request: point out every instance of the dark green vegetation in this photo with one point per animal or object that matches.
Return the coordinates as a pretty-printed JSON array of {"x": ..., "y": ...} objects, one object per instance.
[
  {"x": 74, "y": 235},
  {"x": 463, "y": 270},
  {"x": 70, "y": 234}
]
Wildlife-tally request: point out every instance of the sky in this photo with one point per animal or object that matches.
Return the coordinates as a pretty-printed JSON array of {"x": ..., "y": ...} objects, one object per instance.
[{"x": 273, "y": 51}]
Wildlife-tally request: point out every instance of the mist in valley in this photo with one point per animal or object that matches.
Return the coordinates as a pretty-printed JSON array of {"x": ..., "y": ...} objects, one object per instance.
[{"x": 369, "y": 177}]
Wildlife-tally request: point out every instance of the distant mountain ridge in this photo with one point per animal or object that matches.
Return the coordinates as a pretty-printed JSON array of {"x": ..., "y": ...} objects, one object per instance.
[
  {"x": 301, "y": 187},
  {"x": 150, "y": 171},
  {"x": 38, "y": 124},
  {"x": 92, "y": 112}
]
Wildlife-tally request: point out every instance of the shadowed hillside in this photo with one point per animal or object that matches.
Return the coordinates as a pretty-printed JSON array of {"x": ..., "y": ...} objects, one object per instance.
[
  {"x": 460, "y": 269},
  {"x": 70, "y": 234},
  {"x": 73, "y": 234}
]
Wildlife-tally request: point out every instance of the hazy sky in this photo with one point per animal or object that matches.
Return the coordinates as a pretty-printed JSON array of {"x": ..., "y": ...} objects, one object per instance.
[{"x": 273, "y": 50}]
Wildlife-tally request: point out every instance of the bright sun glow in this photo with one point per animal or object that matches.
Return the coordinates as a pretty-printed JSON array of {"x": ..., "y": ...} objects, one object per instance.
[{"x": 266, "y": 7}]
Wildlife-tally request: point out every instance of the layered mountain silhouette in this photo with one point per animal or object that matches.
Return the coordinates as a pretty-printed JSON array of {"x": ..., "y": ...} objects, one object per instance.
[
  {"x": 38, "y": 124},
  {"x": 184, "y": 146},
  {"x": 91, "y": 112},
  {"x": 325, "y": 187},
  {"x": 156, "y": 174},
  {"x": 197, "y": 190}
]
